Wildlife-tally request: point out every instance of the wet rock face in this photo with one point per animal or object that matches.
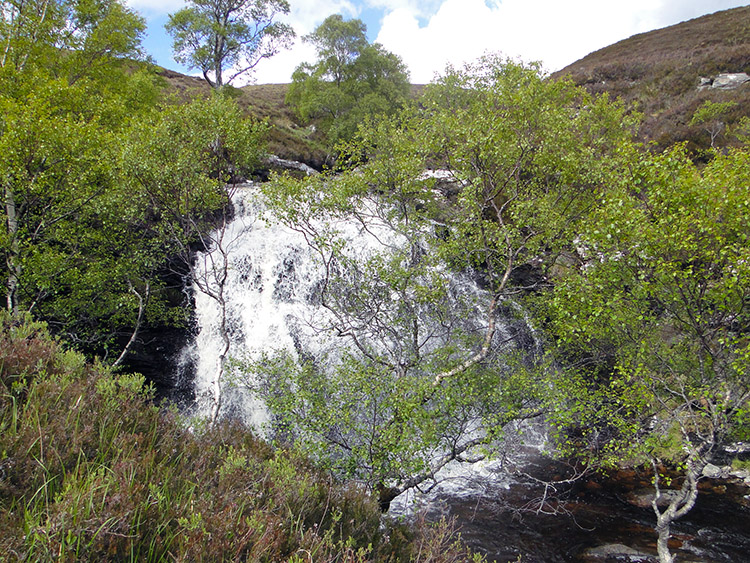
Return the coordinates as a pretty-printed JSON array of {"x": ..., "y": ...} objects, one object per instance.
[
  {"x": 157, "y": 356},
  {"x": 615, "y": 552},
  {"x": 644, "y": 497}
]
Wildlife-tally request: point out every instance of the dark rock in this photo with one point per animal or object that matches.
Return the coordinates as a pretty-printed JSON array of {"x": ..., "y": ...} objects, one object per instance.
[{"x": 157, "y": 356}]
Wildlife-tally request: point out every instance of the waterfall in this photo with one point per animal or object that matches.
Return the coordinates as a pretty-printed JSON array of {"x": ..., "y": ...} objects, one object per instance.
[
  {"x": 270, "y": 279},
  {"x": 271, "y": 301},
  {"x": 257, "y": 289}
]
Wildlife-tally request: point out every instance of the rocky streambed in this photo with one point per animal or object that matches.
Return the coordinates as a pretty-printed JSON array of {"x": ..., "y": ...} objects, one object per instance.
[{"x": 604, "y": 518}]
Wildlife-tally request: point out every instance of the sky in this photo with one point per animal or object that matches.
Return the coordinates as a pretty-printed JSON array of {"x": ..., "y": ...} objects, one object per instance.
[{"x": 430, "y": 34}]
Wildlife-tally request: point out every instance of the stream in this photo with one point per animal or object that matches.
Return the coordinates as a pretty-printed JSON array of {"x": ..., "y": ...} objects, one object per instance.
[{"x": 596, "y": 519}]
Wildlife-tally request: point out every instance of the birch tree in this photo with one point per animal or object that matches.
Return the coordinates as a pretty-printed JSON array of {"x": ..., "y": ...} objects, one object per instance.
[
  {"x": 226, "y": 39},
  {"x": 350, "y": 80},
  {"x": 425, "y": 374},
  {"x": 655, "y": 326}
]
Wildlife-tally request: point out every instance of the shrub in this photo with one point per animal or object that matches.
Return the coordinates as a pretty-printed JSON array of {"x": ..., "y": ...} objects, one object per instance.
[{"x": 92, "y": 470}]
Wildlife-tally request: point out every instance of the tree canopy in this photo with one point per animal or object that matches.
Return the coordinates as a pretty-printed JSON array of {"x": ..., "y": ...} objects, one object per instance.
[
  {"x": 654, "y": 326},
  {"x": 228, "y": 36},
  {"x": 350, "y": 80},
  {"x": 83, "y": 150},
  {"x": 633, "y": 264},
  {"x": 93, "y": 34},
  {"x": 66, "y": 96},
  {"x": 423, "y": 371}
]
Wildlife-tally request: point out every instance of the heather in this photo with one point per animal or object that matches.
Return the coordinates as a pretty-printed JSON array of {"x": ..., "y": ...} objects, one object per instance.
[{"x": 93, "y": 470}]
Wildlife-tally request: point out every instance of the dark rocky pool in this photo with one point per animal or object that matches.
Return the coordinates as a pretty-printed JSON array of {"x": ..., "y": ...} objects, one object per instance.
[{"x": 595, "y": 519}]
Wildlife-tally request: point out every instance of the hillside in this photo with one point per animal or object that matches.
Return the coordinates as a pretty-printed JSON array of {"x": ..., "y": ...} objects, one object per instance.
[
  {"x": 666, "y": 74},
  {"x": 287, "y": 139}
]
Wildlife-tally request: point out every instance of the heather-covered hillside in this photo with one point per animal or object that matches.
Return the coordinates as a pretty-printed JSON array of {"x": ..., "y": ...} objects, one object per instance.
[{"x": 669, "y": 73}]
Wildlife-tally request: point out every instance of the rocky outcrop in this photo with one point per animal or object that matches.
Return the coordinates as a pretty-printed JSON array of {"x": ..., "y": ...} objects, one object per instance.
[
  {"x": 644, "y": 497},
  {"x": 725, "y": 81},
  {"x": 275, "y": 162}
]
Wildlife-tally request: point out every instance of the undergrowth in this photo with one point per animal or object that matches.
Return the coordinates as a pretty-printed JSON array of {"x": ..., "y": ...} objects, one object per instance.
[{"x": 92, "y": 470}]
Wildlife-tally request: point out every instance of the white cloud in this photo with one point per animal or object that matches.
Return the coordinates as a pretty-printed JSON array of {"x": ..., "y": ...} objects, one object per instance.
[
  {"x": 675, "y": 11},
  {"x": 428, "y": 34},
  {"x": 418, "y": 8},
  {"x": 149, "y": 8},
  {"x": 553, "y": 32},
  {"x": 306, "y": 15},
  {"x": 279, "y": 68}
]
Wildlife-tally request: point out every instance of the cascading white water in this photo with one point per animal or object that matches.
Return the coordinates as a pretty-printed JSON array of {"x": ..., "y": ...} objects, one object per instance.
[
  {"x": 271, "y": 302},
  {"x": 270, "y": 277},
  {"x": 269, "y": 299}
]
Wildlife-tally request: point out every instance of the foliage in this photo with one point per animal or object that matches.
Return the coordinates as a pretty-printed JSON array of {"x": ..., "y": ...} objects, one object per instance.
[
  {"x": 217, "y": 36},
  {"x": 82, "y": 239},
  {"x": 421, "y": 374},
  {"x": 350, "y": 81},
  {"x": 661, "y": 304},
  {"x": 66, "y": 97},
  {"x": 710, "y": 116},
  {"x": 179, "y": 160},
  {"x": 91, "y": 470},
  {"x": 532, "y": 157},
  {"x": 338, "y": 43},
  {"x": 657, "y": 319},
  {"x": 93, "y": 35}
]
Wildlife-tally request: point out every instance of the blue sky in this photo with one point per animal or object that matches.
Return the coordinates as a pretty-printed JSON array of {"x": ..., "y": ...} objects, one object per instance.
[{"x": 429, "y": 34}]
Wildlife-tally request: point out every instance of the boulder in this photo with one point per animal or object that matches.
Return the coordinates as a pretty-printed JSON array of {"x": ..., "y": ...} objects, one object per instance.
[
  {"x": 618, "y": 552},
  {"x": 713, "y": 472},
  {"x": 704, "y": 83},
  {"x": 730, "y": 81}
]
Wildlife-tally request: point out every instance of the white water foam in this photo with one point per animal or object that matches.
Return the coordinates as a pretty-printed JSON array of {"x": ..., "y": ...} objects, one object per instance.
[
  {"x": 272, "y": 302},
  {"x": 271, "y": 297}
]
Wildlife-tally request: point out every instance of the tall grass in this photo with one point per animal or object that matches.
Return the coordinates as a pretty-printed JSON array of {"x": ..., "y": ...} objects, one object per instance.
[{"x": 92, "y": 470}]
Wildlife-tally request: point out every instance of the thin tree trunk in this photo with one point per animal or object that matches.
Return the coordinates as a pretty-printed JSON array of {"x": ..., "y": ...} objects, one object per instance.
[
  {"x": 678, "y": 507},
  {"x": 13, "y": 256},
  {"x": 662, "y": 542},
  {"x": 217, "y": 399},
  {"x": 213, "y": 284},
  {"x": 142, "y": 302}
]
